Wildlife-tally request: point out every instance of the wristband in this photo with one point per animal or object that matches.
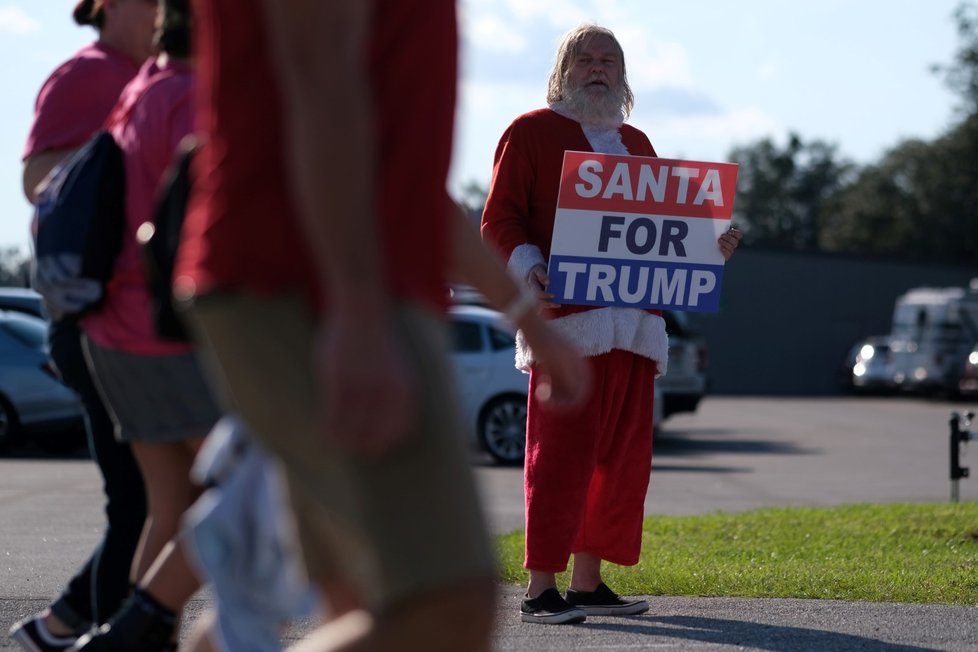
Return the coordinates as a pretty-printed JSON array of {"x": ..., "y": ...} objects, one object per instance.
[{"x": 520, "y": 306}]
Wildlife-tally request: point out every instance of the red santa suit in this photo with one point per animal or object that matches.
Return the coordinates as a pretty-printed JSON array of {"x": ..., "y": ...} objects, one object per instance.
[{"x": 587, "y": 469}]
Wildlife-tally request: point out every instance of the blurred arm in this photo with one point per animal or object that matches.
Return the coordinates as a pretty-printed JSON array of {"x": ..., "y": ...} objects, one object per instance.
[
  {"x": 38, "y": 167},
  {"x": 319, "y": 57},
  {"x": 566, "y": 375}
]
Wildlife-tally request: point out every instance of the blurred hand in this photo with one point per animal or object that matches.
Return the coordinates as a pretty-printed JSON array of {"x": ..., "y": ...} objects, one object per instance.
[
  {"x": 729, "y": 241},
  {"x": 538, "y": 280},
  {"x": 365, "y": 384},
  {"x": 564, "y": 375}
]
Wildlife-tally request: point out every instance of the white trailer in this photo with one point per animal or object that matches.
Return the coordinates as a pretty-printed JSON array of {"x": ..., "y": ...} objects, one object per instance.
[{"x": 933, "y": 331}]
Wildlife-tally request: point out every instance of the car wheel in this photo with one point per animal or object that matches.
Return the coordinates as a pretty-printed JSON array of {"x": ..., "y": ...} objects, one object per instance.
[
  {"x": 502, "y": 429},
  {"x": 9, "y": 427}
]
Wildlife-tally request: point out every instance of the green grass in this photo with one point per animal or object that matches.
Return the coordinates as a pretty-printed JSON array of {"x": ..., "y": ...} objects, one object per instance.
[{"x": 924, "y": 553}]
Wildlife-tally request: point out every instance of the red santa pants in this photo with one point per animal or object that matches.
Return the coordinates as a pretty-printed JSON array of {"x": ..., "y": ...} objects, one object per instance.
[{"x": 587, "y": 469}]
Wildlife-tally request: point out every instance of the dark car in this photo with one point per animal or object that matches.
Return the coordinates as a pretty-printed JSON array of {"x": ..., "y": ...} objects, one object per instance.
[
  {"x": 968, "y": 382},
  {"x": 869, "y": 367},
  {"x": 34, "y": 404}
]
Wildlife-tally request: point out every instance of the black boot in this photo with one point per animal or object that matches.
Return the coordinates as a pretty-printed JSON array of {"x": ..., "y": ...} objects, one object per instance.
[{"x": 142, "y": 624}]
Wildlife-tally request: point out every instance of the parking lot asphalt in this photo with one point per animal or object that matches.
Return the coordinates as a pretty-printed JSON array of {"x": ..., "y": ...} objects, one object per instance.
[{"x": 734, "y": 454}]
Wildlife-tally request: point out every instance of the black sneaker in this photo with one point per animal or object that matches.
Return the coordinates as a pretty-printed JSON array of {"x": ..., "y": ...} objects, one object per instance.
[
  {"x": 33, "y": 636},
  {"x": 550, "y": 609},
  {"x": 602, "y": 601},
  {"x": 142, "y": 624}
]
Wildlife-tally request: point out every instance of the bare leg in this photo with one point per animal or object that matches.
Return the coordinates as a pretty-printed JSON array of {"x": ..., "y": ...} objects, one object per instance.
[
  {"x": 540, "y": 581},
  {"x": 162, "y": 565},
  {"x": 166, "y": 471},
  {"x": 200, "y": 639},
  {"x": 586, "y": 575},
  {"x": 171, "y": 579}
]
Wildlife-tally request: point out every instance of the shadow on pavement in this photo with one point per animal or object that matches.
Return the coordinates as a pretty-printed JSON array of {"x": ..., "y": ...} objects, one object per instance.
[
  {"x": 69, "y": 445},
  {"x": 658, "y": 467},
  {"x": 708, "y": 442},
  {"x": 748, "y": 634}
]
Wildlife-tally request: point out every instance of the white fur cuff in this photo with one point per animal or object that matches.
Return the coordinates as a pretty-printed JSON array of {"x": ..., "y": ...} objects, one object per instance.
[
  {"x": 524, "y": 258},
  {"x": 599, "y": 331}
]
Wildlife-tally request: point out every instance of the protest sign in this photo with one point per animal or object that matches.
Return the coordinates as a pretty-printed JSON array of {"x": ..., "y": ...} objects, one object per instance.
[{"x": 640, "y": 232}]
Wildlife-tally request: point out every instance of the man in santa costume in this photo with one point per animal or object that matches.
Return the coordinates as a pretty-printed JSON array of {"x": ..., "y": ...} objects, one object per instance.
[{"x": 587, "y": 469}]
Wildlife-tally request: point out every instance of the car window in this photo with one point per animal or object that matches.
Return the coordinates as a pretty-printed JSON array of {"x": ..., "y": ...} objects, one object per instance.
[
  {"x": 466, "y": 336},
  {"x": 31, "y": 332},
  {"x": 500, "y": 340}
]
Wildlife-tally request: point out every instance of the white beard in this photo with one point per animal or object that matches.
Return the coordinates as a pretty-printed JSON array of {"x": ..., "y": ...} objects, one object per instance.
[{"x": 591, "y": 106}]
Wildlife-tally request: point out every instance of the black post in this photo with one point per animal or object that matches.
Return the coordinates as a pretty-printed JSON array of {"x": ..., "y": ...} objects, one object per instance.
[{"x": 958, "y": 435}]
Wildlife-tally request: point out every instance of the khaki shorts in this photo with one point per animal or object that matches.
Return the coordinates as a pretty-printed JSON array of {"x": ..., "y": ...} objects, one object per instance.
[{"x": 395, "y": 525}]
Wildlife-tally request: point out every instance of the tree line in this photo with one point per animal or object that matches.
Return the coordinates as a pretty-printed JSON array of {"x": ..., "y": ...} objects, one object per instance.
[
  {"x": 14, "y": 268},
  {"x": 919, "y": 202}
]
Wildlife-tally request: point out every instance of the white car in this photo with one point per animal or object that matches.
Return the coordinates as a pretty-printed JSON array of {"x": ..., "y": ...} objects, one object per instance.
[{"x": 491, "y": 390}]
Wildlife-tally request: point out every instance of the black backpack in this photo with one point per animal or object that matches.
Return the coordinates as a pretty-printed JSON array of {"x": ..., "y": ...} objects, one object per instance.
[
  {"x": 79, "y": 220},
  {"x": 160, "y": 243}
]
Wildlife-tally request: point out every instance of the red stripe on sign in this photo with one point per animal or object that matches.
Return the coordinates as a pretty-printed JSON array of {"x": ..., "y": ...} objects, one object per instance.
[{"x": 646, "y": 185}]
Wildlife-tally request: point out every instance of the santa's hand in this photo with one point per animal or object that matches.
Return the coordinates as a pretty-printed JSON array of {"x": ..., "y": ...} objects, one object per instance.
[
  {"x": 728, "y": 242},
  {"x": 538, "y": 280}
]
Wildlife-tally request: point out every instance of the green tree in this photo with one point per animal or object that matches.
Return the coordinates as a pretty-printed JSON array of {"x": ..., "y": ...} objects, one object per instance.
[
  {"x": 783, "y": 193},
  {"x": 473, "y": 199},
  {"x": 920, "y": 201},
  {"x": 879, "y": 212},
  {"x": 962, "y": 75},
  {"x": 14, "y": 268}
]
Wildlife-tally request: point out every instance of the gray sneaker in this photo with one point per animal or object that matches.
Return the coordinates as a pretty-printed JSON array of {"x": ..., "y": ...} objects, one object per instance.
[
  {"x": 602, "y": 601},
  {"x": 550, "y": 609}
]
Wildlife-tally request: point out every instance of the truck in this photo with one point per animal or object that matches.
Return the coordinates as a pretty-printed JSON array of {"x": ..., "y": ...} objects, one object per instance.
[{"x": 932, "y": 333}]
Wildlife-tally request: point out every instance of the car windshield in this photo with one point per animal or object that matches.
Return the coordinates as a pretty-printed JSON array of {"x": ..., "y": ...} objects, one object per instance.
[{"x": 31, "y": 332}]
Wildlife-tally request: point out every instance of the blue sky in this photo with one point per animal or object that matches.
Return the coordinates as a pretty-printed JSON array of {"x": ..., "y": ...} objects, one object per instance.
[{"x": 708, "y": 75}]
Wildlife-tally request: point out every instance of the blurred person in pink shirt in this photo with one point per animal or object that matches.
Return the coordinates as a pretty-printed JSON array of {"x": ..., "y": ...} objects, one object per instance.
[
  {"x": 153, "y": 388},
  {"x": 71, "y": 106}
]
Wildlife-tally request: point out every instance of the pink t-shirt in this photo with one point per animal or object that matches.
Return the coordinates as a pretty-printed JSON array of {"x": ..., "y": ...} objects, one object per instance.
[
  {"x": 77, "y": 98},
  {"x": 153, "y": 115}
]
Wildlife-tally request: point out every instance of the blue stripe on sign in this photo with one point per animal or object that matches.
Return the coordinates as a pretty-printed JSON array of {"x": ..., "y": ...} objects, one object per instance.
[{"x": 587, "y": 281}]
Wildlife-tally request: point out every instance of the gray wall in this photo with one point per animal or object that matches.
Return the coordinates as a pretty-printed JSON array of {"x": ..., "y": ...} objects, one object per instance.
[{"x": 787, "y": 320}]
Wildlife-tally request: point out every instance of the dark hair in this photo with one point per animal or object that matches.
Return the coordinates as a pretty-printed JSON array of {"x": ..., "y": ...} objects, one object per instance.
[
  {"x": 173, "y": 36},
  {"x": 89, "y": 12}
]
